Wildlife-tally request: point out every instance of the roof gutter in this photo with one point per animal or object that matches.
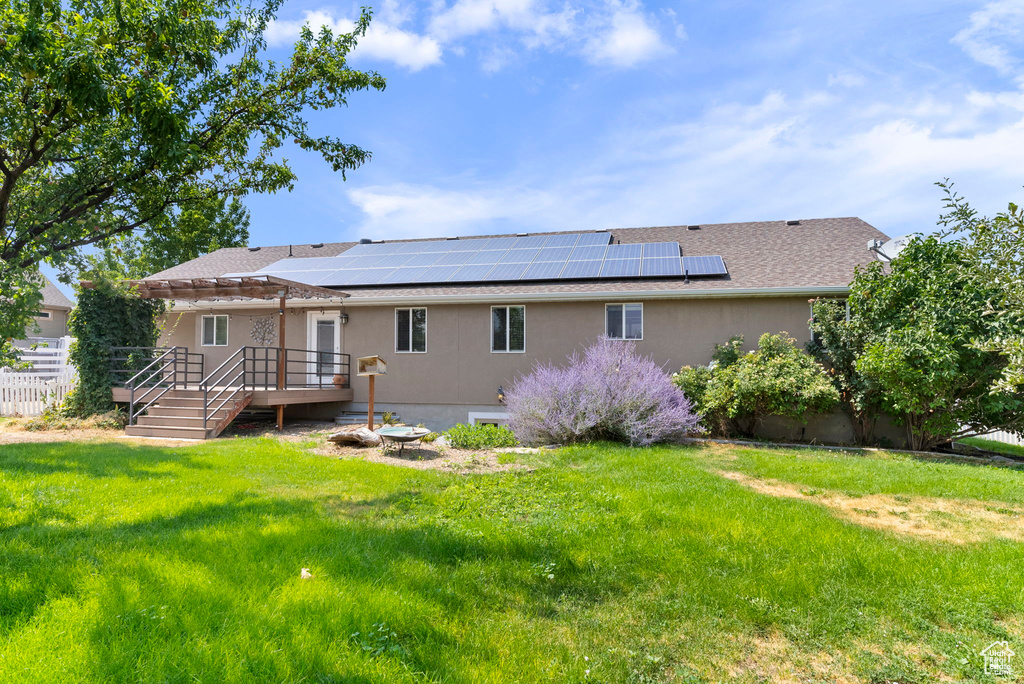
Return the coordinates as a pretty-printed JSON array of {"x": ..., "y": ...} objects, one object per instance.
[{"x": 525, "y": 298}]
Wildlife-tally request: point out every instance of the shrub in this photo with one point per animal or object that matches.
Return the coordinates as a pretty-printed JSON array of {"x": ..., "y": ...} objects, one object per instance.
[
  {"x": 610, "y": 392},
  {"x": 463, "y": 436},
  {"x": 776, "y": 379}
]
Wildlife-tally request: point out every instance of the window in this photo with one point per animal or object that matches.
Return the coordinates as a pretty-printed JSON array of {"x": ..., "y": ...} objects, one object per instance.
[
  {"x": 624, "y": 321},
  {"x": 815, "y": 337},
  {"x": 410, "y": 330},
  {"x": 42, "y": 314},
  {"x": 215, "y": 331},
  {"x": 508, "y": 328}
]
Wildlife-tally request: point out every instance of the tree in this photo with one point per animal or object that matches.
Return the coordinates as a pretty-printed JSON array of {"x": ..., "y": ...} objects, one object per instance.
[
  {"x": 995, "y": 247},
  {"x": 115, "y": 114},
  {"x": 175, "y": 238},
  {"x": 838, "y": 344},
  {"x": 738, "y": 391},
  {"x": 923, "y": 316}
]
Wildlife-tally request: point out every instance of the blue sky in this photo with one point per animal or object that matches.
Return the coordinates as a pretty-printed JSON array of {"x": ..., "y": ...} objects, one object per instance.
[{"x": 520, "y": 115}]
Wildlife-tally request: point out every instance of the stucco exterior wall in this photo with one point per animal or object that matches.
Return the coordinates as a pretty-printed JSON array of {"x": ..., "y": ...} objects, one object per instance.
[
  {"x": 459, "y": 370},
  {"x": 54, "y": 326}
]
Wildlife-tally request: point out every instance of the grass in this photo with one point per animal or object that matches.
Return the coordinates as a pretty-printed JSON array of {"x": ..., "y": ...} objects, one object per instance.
[
  {"x": 123, "y": 563},
  {"x": 993, "y": 445}
]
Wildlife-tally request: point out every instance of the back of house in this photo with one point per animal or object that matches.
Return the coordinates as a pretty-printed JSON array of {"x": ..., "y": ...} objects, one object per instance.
[{"x": 457, "y": 319}]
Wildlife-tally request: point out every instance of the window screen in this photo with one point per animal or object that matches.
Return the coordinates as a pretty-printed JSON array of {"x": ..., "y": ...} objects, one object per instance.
[
  {"x": 508, "y": 329},
  {"x": 215, "y": 331},
  {"x": 411, "y": 330},
  {"x": 624, "y": 321}
]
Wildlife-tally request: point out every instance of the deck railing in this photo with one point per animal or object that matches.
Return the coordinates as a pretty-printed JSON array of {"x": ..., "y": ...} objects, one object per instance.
[{"x": 149, "y": 373}]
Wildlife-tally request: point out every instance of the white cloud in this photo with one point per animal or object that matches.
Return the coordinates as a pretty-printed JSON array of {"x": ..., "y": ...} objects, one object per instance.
[
  {"x": 846, "y": 79},
  {"x": 781, "y": 157},
  {"x": 995, "y": 36},
  {"x": 537, "y": 25},
  {"x": 382, "y": 41},
  {"x": 627, "y": 41}
]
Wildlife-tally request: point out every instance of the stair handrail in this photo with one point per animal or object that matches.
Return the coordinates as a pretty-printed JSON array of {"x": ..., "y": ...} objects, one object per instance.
[
  {"x": 149, "y": 373},
  {"x": 209, "y": 382}
]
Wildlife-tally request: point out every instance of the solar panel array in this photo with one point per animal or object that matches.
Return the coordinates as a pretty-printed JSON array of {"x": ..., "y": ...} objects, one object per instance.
[{"x": 532, "y": 257}]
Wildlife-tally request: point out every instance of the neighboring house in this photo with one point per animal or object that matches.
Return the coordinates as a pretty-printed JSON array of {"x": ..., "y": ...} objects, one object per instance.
[
  {"x": 51, "y": 321},
  {"x": 454, "y": 328}
]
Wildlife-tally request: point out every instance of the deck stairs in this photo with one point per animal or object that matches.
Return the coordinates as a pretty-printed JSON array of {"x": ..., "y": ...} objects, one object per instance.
[{"x": 178, "y": 414}]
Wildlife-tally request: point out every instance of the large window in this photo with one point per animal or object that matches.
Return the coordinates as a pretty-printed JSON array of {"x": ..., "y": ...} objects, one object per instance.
[
  {"x": 624, "y": 321},
  {"x": 215, "y": 331},
  {"x": 508, "y": 328},
  {"x": 410, "y": 330}
]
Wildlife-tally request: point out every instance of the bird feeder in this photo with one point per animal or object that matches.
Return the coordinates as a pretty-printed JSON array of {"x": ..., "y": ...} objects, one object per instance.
[{"x": 370, "y": 366}]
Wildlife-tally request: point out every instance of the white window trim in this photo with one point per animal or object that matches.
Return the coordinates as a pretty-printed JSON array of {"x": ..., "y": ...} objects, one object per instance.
[
  {"x": 624, "y": 305},
  {"x": 508, "y": 330},
  {"x": 487, "y": 417},
  {"x": 47, "y": 315},
  {"x": 426, "y": 343},
  {"x": 227, "y": 331}
]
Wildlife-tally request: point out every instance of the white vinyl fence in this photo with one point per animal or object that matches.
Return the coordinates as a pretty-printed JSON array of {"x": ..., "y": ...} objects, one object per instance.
[
  {"x": 28, "y": 394},
  {"x": 1004, "y": 437},
  {"x": 49, "y": 359}
]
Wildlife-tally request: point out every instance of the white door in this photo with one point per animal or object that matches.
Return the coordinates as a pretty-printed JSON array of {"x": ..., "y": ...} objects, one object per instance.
[{"x": 324, "y": 335}]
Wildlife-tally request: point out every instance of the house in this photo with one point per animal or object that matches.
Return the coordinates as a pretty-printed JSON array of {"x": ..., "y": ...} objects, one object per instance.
[
  {"x": 51, "y": 321},
  {"x": 458, "y": 318}
]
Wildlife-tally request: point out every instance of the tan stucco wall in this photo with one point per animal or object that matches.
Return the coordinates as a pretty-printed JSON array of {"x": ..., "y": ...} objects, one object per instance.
[
  {"x": 54, "y": 326},
  {"x": 459, "y": 368}
]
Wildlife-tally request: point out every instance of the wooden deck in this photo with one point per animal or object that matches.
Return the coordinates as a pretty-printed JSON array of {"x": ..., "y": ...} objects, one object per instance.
[{"x": 272, "y": 397}]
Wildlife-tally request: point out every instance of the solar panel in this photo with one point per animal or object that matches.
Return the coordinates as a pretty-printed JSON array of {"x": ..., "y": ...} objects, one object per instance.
[
  {"x": 428, "y": 259},
  {"x": 403, "y": 275},
  {"x": 554, "y": 254},
  {"x": 704, "y": 265},
  {"x": 582, "y": 269},
  {"x": 590, "y": 239},
  {"x": 561, "y": 240},
  {"x": 544, "y": 270},
  {"x": 436, "y": 274},
  {"x": 588, "y": 253},
  {"x": 662, "y": 266},
  {"x": 531, "y": 257},
  {"x": 472, "y": 273},
  {"x": 489, "y": 256},
  {"x": 655, "y": 250},
  {"x": 624, "y": 251},
  {"x": 620, "y": 268},
  {"x": 454, "y": 258},
  {"x": 530, "y": 241},
  {"x": 506, "y": 272},
  {"x": 519, "y": 256}
]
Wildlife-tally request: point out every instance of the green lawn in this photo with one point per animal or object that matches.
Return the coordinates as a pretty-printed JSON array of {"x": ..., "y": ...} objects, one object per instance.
[
  {"x": 123, "y": 563},
  {"x": 993, "y": 445}
]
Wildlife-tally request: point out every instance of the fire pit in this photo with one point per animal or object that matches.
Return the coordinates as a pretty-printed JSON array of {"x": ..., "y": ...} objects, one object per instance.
[{"x": 402, "y": 435}]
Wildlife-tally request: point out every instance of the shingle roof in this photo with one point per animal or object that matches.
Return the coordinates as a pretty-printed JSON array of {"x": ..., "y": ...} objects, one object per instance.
[
  {"x": 53, "y": 298},
  {"x": 767, "y": 254}
]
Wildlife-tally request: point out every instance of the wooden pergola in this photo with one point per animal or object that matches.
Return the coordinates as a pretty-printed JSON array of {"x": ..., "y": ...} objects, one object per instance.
[{"x": 230, "y": 288}]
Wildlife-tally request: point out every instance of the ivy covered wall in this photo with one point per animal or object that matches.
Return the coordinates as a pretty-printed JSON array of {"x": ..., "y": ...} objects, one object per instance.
[{"x": 106, "y": 316}]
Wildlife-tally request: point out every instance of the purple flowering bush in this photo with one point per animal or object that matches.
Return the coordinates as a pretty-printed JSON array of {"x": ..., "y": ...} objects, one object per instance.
[{"x": 608, "y": 393}]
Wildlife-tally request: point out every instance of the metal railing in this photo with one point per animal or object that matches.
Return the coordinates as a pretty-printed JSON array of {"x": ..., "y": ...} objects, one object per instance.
[
  {"x": 159, "y": 376},
  {"x": 252, "y": 368},
  {"x": 154, "y": 371},
  {"x": 127, "y": 362}
]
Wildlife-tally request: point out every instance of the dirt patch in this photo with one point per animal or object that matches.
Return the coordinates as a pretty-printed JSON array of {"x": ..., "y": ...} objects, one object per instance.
[
  {"x": 16, "y": 435},
  {"x": 429, "y": 457},
  {"x": 947, "y": 520},
  {"x": 774, "y": 658}
]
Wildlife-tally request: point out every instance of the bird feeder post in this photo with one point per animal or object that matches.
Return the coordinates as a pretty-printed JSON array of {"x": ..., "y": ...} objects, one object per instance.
[
  {"x": 369, "y": 414},
  {"x": 371, "y": 366}
]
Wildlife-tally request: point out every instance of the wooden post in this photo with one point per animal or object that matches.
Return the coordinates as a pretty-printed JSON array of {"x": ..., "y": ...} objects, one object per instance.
[
  {"x": 370, "y": 416},
  {"x": 282, "y": 367}
]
